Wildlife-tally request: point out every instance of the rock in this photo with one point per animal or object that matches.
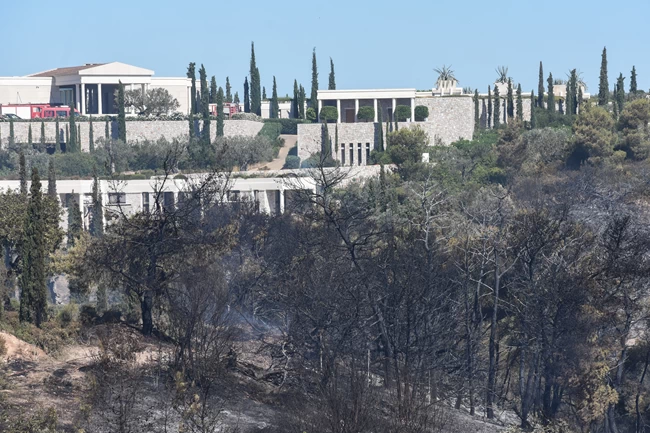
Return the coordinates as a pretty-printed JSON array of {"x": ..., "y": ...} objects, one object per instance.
[{"x": 59, "y": 290}]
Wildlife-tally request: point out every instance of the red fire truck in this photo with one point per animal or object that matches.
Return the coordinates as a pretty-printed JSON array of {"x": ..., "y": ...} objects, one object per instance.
[{"x": 36, "y": 111}]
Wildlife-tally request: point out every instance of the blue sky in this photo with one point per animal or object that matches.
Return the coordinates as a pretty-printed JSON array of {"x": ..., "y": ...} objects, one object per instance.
[{"x": 374, "y": 44}]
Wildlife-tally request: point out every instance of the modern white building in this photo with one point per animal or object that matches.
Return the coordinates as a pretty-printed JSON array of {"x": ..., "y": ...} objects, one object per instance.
[{"x": 90, "y": 87}]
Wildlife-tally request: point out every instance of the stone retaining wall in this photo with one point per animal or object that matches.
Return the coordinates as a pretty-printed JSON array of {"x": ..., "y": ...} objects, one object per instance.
[{"x": 135, "y": 130}]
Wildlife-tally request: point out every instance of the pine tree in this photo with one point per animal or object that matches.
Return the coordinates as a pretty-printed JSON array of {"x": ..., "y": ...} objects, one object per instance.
[
  {"x": 51, "y": 179},
  {"x": 220, "y": 114},
  {"x": 633, "y": 88},
  {"x": 12, "y": 134},
  {"x": 381, "y": 146},
  {"x": 191, "y": 73},
  {"x": 301, "y": 103},
  {"x": 33, "y": 296},
  {"x": 620, "y": 92},
  {"x": 57, "y": 143},
  {"x": 74, "y": 221},
  {"x": 497, "y": 107},
  {"x": 97, "y": 214},
  {"x": 91, "y": 135},
  {"x": 205, "y": 106},
  {"x": 550, "y": 103},
  {"x": 295, "y": 113},
  {"x": 540, "y": 87},
  {"x": 332, "y": 81},
  {"x": 510, "y": 98},
  {"x": 42, "y": 140},
  {"x": 603, "y": 86},
  {"x": 235, "y": 99},
  {"x": 213, "y": 90},
  {"x": 314, "y": 83},
  {"x": 533, "y": 118},
  {"x": 489, "y": 109},
  {"x": 71, "y": 145},
  {"x": 477, "y": 118},
  {"x": 228, "y": 91},
  {"x": 520, "y": 105},
  {"x": 22, "y": 173},
  {"x": 255, "y": 89},
  {"x": 247, "y": 104},
  {"x": 121, "y": 115},
  {"x": 30, "y": 142},
  {"x": 274, "y": 106},
  {"x": 264, "y": 98}
]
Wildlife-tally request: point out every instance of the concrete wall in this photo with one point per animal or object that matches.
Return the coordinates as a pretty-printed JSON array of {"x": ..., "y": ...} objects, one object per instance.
[
  {"x": 135, "y": 130},
  {"x": 26, "y": 90}
]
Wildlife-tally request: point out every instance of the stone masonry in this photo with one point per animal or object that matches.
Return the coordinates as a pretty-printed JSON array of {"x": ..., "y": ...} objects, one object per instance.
[{"x": 135, "y": 130}]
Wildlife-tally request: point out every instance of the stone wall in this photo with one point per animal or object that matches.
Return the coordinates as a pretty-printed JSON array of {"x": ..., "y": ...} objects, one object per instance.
[
  {"x": 135, "y": 130},
  {"x": 483, "y": 103},
  {"x": 449, "y": 119}
]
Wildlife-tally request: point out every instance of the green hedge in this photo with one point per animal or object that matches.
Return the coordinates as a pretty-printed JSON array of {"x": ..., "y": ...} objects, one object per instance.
[
  {"x": 366, "y": 114},
  {"x": 402, "y": 112},
  {"x": 288, "y": 126},
  {"x": 329, "y": 114},
  {"x": 421, "y": 113},
  {"x": 292, "y": 162},
  {"x": 271, "y": 130}
]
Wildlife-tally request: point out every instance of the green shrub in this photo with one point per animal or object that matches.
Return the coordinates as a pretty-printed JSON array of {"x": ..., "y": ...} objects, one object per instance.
[
  {"x": 87, "y": 314},
  {"x": 292, "y": 162},
  {"x": 311, "y": 115},
  {"x": 421, "y": 113},
  {"x": 329, "y": 114},
  {"x": 68, "y": 314},
  {"x": 402, "y": 112},
  {"x": 271, "y": 130},
  {"x": 288, "y": 126},
  {"x": 366, "y": 114}
]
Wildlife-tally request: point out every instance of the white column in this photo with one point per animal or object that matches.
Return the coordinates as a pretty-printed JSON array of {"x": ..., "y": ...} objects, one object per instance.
[
  {"x": 320, "y": 106},
  {"x": 77, "y": 97},
  {"x": 394, "y": 106},
  {"x": 412, "y": 109},
  {"x": 100, "y": 111},
  {"x": 338, "y": 110},
  {"x": 376, "y": 112},
  {"x": 83, "y": 109},
  {"x": 356, "y": 110},
  {"x": 281, "y": 200}
]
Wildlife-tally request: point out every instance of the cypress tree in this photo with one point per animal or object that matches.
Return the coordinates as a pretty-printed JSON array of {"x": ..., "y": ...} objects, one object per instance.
[
  {"x": 633, "y": 88},
  {"x": 332, "y": 81},
  {"x": 301, "y": 103},
  {"x": 540, "y": 87},
  {"x": 30, "y": 142},
  {"x": 74, "y": 222},
  {"x": 71, "y": 145},
  {"x": 78, "y": 147},
  {"x": 264, "y": 98},
  {"x": 314, "y": 83},
  {"x": 336, "y": 138},
  {"x": 107, "y": 132},
  {"x": 579, "y": 99},
  {"x": 274, "y": 106},
  {"x": 533, "y": 118},
  {"x": 51, "y": 179},
  {"x": 396, "y": 123},
  {"x": 325, "y": 148},
  {"x": 213, "y": 90},
  {"x": 247, "y": 104},
  {"x": 497, "y": 107},
  {"x": 22, "y": 173},
  {"x": 42, "y": 140},
  {"x": 12, "y": 135},
  {"x": 191, "y": 73},
  {"x": 294, "y": 102},
  {"x": 572, "y": 93},
  {"x": 191, "y": 127},
  {"x": 550, "y": 103},
  {"x": 235, "y": 99},
  {"x": 121, "y": 115},
  {"x": 381, "y": 146},
  {"x": 205, "y": 106},
  {"x": 615, "y": 106},
  {"x": 97, "y": 214},
  {"x": 389, "y": 128},
  {"x": 510, "y": 108},
  {"x": 603, "y": 86},
  {"x": 57, "y": 144},
  {"x": 520, "y": 104},
  {"x": 620, "y": 92},
  {"x": 91, "y": 135},
  {"x": 220, "y": 112},
  {"x": 33, "y": 296},
  {"x": 255, "y": 90},
  {"x": 228, "y": 91},
  {"x": 477, "y": 118},
  {"x": 489, "y": 109},
  {"x": 67, "y": 137}
]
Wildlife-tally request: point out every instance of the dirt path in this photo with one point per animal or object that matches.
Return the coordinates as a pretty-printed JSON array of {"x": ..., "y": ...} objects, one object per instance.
[{"x": 278, "y": 163}]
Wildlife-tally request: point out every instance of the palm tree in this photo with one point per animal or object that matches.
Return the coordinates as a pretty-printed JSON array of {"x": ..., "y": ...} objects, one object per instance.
[
  {"x": 502, "y": 72},
  {"x": 445, "y": 74}
]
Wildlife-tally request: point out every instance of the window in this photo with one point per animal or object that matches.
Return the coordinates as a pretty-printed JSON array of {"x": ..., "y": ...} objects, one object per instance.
[
  {"x": 351, "y": 153},
  {"x": 66, "y": 96},
  {"x": 145, "y": 202},
  {"x": 367, "y": 153},
  {"x": 233, "y": 195},
  {"x": 115, "y": 198},
  {"x": 61, "y": 113},
  {"x": 168, "y": 200},
  {"x": 342, "y": 153},
  {"x": 359, "y": 154}
]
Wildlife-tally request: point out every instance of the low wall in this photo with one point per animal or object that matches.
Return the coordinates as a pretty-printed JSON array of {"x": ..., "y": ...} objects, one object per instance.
[{"x": 135, "y": 130}]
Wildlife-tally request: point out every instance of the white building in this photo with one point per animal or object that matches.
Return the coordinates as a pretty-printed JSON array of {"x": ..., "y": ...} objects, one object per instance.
[{"x": 90, "y": 87}]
